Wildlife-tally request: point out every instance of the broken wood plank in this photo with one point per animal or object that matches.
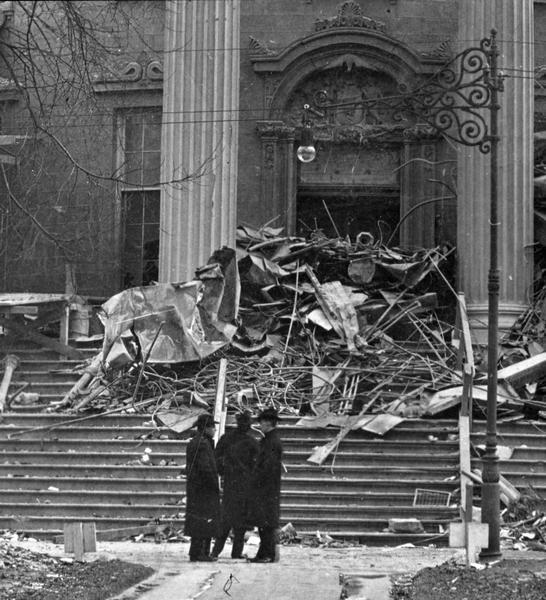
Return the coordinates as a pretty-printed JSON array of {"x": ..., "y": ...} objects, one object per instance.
[
  {"x": 508, "y": 493},
  {"x": 180, "y": 420},
  {"x": 321, "y": 453},
  {"x": 339, "y": 304},
  {"x": 464, "y": 460},
  {"x": 330, "y": 315},
  {"x": 73, "y": 539},
  {"x": 114, "y": 535},
  {"x": 11, "y": 362},
  {"x": 380, "y": 424},
  {"x": 220, "y": 402},
  {"x": 28, "y": 332},
  {"x": 323, "y": 381},
  {"x": 122, "y": 533},
  {"x": 524, "y": 371},
  {"x": 89, "y": 536}
]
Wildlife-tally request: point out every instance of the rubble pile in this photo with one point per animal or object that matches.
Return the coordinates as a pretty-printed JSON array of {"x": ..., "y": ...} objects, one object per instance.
[
  {"x": 524, "y": 522},
  {"x": 317, "y": 327},
  {"x": 25, "y": 574},
  {"x": 14, "y": 559},
  {"x": 309, "y": 326}
]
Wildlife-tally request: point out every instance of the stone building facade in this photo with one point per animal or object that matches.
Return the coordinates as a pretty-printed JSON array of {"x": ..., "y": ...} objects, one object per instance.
[{"x": 199, "y": 113}]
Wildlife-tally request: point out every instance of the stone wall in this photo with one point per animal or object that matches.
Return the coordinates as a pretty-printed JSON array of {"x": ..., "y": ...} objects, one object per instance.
[{"x": 84, "y": 211}]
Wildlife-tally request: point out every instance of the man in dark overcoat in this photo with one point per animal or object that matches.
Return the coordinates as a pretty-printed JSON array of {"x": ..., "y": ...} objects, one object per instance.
[
  {"x": 202, "y": 490},
  {"x": 235, "y": 458},
  {"x": 265, "y": 492}
]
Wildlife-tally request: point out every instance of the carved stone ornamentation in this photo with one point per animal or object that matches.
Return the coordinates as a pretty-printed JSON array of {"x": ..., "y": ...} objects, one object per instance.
[
  {"x": 271, "y": 85},
  {"x": 275, "y": 129},
  {"x": 257, "y": 47},
  {"x": 154, "y": 70},
  {"x": 6, "y": 13},
  {"x": 444, "y": 51},
  {"x": 269, "y": 156},
  {"x": 144, "y": 72},
  {"x": 349, "y": 15},
  {"x": 420, "y": 131},
  {"x": 132, "y": 71},
  {"x": 352, "y": 123}
]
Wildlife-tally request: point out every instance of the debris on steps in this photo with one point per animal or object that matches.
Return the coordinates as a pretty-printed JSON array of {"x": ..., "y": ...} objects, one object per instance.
[{"x": 310, "y": 326}]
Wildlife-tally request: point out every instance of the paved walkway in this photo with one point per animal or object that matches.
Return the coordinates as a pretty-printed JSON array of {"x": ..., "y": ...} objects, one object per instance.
[{"x": 302, "y": 574}]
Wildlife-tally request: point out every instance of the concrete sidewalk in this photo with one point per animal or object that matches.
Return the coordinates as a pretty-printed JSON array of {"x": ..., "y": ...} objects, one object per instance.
[{"x": 303, "y": 573}]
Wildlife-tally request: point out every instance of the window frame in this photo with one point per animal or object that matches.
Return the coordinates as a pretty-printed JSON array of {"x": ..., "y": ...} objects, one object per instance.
[{"x": 123, "y": 188}]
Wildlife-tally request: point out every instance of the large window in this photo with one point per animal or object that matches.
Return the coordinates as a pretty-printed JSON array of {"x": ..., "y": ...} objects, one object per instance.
[{"x": 140, "y": 157}]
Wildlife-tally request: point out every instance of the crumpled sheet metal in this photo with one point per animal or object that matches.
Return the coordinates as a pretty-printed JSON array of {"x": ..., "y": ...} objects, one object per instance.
[{"x": 195, "y": 317}]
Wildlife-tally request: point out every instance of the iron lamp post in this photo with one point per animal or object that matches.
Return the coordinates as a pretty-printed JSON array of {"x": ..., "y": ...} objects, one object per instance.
[{"x": 453, "y": 102}]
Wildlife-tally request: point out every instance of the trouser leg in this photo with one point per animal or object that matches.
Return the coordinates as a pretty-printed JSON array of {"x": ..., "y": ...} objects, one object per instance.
[
  {"x": 220, "y": 541},
  {"x": 267, "y": 543},
  {"x": 206, "y": 546},
  {"x": 261, "y": 548},
  {"x": 238, "y": 543},
  {"x": 196, "y": 548}
]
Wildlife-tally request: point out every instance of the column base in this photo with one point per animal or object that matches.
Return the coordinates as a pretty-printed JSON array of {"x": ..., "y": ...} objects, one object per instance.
[{"x": 478, "y": 319}]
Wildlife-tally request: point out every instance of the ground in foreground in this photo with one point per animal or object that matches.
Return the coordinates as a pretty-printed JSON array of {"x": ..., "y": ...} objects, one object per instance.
[
  {"x": 523, "y": 579},
  {"x": 27, "y": 575}
]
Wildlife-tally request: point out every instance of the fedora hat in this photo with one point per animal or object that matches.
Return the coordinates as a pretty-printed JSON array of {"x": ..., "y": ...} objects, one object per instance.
[
  {"x": 269, "y": 414},
  {"x": 204, "y": 420}
]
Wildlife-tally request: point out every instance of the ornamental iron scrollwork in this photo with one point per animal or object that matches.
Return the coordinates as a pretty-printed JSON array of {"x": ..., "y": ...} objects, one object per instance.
[{"x": 454, "y": 101}]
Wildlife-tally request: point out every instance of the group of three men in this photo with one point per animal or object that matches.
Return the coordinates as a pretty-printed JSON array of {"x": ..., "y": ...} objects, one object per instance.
[{"x": 251, "y": 473}]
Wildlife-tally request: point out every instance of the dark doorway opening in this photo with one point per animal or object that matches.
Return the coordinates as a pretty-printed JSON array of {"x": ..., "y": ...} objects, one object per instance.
[{"x": 347, "y": 212}]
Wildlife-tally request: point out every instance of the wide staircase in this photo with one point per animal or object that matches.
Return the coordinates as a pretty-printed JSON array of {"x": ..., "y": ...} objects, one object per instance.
[
  {"x": 525, "y": 469},
  {"x": 53, "y": 470},
  {"x": 93, "y": 471}
]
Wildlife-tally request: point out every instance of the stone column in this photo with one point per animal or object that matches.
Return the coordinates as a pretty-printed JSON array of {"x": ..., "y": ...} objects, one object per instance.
[
  {"x": 513, "y": 20},
  {"x": 200, "y": 134}
]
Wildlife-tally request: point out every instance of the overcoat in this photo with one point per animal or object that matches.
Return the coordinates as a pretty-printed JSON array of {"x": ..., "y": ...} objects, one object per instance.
[
  {"x": 202, "y": 488},
  {"x": 235, "y": 457},
  {"x": 265, "y": 493}
]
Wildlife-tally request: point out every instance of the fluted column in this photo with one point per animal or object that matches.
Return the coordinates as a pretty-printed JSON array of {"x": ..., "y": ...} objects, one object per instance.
[
  {"x": 199, "y": 135},
  {"x": 513, "y": 20}
]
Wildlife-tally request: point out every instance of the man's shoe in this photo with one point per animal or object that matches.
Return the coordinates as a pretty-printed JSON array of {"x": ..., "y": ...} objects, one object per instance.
[
  {"x": 260, "y": 560},
  {"x": 204, "y": 559}
]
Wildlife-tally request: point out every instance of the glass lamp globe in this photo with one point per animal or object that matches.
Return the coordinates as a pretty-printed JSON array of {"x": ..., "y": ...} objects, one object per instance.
[{"x": 306, "y": 154}]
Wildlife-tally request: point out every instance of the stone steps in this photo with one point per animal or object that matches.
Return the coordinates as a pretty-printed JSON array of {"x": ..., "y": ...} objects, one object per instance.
[{"x": 366, "y": 482}]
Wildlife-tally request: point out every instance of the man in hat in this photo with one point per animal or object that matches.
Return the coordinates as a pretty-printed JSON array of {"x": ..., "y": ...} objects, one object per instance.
[
  {"x": 202, "y": 490},
  {"x": 265, "y": 491},
  {"x": 235, "y": 457}
]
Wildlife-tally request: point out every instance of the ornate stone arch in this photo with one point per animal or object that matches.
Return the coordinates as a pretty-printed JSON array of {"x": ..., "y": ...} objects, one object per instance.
[
  {"x": 366, "y": 49},
  {"x": 349, "y": 40}
]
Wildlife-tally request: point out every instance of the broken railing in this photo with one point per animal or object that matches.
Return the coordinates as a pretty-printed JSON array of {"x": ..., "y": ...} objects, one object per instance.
[{"x": 465, "y": 363}]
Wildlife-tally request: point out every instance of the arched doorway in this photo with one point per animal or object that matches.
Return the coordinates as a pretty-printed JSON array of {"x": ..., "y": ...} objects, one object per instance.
[
  {"x": 357, "y": 181},
  {"x": 353, "y": 184}
]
